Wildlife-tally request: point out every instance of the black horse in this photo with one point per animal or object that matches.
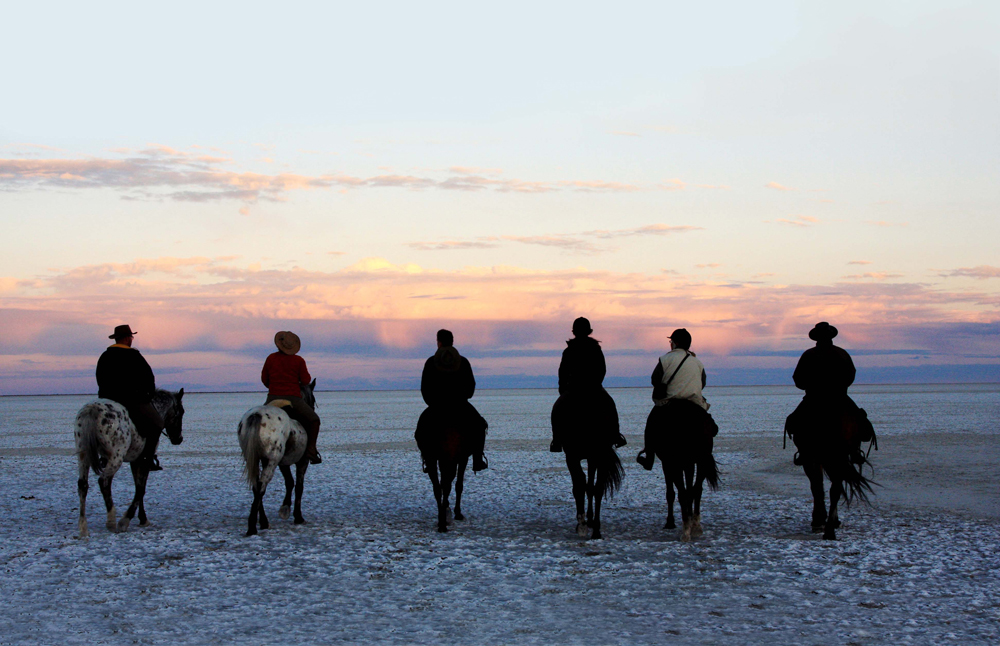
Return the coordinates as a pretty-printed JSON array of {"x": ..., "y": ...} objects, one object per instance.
[
  {"x": 587, "y": 428},
  {"x": 828, "y": 436},
  {"x": 678, "y": 434},
  {"x": 445, "y": 444}
]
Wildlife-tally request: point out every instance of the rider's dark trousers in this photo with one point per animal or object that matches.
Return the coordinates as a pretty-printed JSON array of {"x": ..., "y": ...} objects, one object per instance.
[
  {"x": 306, "y": 415},
  {"x": 148, "y": 422}
]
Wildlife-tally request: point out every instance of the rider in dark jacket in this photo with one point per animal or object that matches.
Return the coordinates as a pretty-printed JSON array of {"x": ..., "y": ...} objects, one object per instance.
[
  {"x": 124, "y": 376},
  {"x": 581, "y": 390},
  {"x": 824, "y": 372},
  {"x": 447, "y": 384}
]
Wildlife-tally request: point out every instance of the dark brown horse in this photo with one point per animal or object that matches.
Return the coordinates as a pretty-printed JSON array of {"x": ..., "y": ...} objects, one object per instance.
[
  {"x": 587, "y": 428},
  {"x": 678, "y": 435},
  {"x": 445, "y": 447},
  {"x": 828, "y": 436}
]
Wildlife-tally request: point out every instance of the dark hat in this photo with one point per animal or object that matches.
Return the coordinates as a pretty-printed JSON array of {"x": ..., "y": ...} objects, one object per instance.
[
  {"x": 822, "y": 332},
  {"x": 581, "y": 327},
  {"x": 122, "y": 331},
  {"x": 287, "y": 342},
  {"x": 681, "y": 337}
]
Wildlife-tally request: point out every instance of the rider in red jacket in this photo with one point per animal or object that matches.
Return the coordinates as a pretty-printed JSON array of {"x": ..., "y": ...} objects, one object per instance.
[{"x": 284, "y": 374}]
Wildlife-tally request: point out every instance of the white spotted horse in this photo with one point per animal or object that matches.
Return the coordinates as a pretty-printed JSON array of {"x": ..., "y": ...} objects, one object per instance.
[
  {"x": 106, "y": 438},
  {"x": 270, "y": 438}
]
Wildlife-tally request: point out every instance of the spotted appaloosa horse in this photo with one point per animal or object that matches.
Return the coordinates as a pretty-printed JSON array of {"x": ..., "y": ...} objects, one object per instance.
[
  {"x": 105, "y": 438},
  {"x": 270, "y": 438}
]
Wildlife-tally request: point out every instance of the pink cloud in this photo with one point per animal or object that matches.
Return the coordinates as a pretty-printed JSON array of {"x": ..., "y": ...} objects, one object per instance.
[
  {"x": 981, "y": 272},
  {"x": 778, "y": 187}
]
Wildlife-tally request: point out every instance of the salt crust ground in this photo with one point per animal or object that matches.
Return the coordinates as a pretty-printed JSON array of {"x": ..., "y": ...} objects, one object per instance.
[{"x": 370, "y": 568}]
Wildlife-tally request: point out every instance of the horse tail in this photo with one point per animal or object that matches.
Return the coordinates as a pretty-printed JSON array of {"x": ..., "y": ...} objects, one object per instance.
[
  {"x": 89, "y": 446},
  {"x": 856, "y": 485},
  {"x": 610, "y": 473},
  {"x": 249, "y": 433},
  {"x": 709, "y": 468}
]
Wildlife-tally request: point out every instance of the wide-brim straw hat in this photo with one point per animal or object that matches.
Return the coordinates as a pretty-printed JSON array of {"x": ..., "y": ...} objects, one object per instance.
[
  {"x": 822, "y": 332},
  {"x": 287, "y": 342}
]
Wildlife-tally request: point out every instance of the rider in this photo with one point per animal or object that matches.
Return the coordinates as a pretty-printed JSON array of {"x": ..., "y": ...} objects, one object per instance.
[
  {"x": 581, "y": 378},
  {"x": 446, "y": 385},
  {"x": 124, "y": 376},
  {"x": 824, "y": 372},
  {"x": 284, "y": 374},
  {"x": 678, "y": 377}
]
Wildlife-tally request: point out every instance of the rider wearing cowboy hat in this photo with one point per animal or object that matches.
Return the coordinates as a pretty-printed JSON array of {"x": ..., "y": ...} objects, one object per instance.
[
  {"x": 284, "y": 374},
  {"x": 124, "y": 376}
]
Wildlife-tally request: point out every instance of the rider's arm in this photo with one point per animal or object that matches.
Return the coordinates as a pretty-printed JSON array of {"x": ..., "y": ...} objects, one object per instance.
[
  {"x": 265, "y": 373},
  {"x": 468, "y": 379},
  {"x": 304, "y": 376}
]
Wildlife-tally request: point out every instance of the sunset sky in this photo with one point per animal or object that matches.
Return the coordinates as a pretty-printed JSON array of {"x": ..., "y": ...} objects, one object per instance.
[{"x": 366, "y": 173}]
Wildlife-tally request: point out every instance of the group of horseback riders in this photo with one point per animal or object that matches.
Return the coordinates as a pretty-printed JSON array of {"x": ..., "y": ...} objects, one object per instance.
[{"x": 447, "y": 384}]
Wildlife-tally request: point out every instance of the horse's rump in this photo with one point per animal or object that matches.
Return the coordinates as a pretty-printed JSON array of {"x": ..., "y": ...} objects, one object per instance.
[
  {"x": 583, "y": 419},
  {"x": 439, "y": 425},
  {"x": 680, "y": 434}
]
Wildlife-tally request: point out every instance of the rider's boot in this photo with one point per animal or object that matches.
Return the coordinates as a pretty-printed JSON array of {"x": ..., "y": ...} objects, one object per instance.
[
  {"x": 479, "y": 462},
  {"x": 645, "y": 460},
  {"x": 311, "y": 452}
]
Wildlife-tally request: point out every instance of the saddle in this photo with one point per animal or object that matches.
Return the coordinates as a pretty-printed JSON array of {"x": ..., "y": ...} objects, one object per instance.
[{"x": 286, "y": 406}]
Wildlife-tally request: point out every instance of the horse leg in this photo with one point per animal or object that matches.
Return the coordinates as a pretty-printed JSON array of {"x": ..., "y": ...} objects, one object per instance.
[
  {"x": 684, "y": 498},
  {"x": 832, "y": 522},
  {"x": 815, "y": 473},
  {"x": 254, "y": 507},
  {"x": 300, "y": 478},
  {"x": 265, "y": 478},
  {"x": 591, "y": 472},
  {"x": 595, "y": 523},
  {"x": 432, "y": 473},
  {"x": 82, "y": 486},
  {"x": 579, "y": 493},
  {"x": 286, "y": 504},
  {"x": 139, "y": 476},
  {"x": 670, "y": 524},
  {"x": 104, "y": 482},
  {"x": 444, "y": 510},
  {"x": 696, "y": 529},
  {"x": 459, "y": 486}
]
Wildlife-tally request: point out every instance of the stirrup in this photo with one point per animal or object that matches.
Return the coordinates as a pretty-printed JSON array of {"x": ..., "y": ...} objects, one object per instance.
[
  {"x": 153, "y": 464},
  {"x": 621, "y": 441},
  {"x": 797, "y": 460},
  {"x": 479, "y": 463}
]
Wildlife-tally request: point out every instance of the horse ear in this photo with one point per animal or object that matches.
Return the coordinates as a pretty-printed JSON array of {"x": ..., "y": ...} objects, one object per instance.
[
  {"x": 313, "y": 384},
  {"x": 180, "y": 393}
]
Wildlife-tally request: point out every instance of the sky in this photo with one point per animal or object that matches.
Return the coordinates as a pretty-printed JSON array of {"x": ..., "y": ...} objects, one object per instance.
[{"x": 364, "y": 174}]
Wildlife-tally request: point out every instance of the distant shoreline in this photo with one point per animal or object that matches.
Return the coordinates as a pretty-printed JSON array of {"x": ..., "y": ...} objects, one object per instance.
[{"x": 402, "y": 390}]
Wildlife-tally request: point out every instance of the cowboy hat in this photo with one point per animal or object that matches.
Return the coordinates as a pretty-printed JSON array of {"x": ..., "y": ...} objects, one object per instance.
[
  {"x": 121, "y": 331},
  {"x": 822, "y": 332},
  {"x": 287, "y": 342}
]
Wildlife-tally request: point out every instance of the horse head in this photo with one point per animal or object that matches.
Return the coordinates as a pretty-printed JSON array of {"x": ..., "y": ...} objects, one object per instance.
[
  {"x": 173, "y": 416},
  {"x": 308, "y": 396}
]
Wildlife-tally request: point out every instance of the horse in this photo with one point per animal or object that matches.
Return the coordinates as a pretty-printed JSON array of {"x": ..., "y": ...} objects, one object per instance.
[
  {"x": 685, "y": 452},
  {"x": 270, "y": 438},
  {"x": 833, "y": 447},
  {"x": 582, "y": 425},
  {"x": 445, "y": 447},
  {"x": 105, "y": 438}
]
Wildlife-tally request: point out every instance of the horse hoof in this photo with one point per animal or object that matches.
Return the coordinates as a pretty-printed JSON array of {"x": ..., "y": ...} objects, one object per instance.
[
  {"x": 829, "y": 535},
  {"x": 111, "y": 525},
  {"x": 670, "y": 524},
  {"x": 299, "y": 521},
  {"x": 251, "y": 532},
  {"x": 442, "y": 529},
  {"x": 459, "y": 516},
  {"x": 284, "y": 512},
  {"x": 84, "y": 533},
  {"x": 582, "y": 531},
  {"x": 686, "y": 536},
  {"x": 123, "y": 525},
  {"x": 145, "y": 523},
  {"x": 597, "y": 536}
]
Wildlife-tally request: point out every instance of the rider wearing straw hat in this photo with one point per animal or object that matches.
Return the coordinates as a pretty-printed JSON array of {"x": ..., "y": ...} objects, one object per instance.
[
  {"x": 124, "y": 376},
  {"x": 284, "y": 374}
]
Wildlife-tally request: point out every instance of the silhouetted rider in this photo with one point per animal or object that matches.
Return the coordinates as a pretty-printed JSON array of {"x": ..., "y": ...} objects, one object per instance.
[
  {"x": 447, "y": 384},
  {"x": 825, "y": 372},
  {"x": 581, "y": 389},
  {"x": 124, "y": 376}
]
